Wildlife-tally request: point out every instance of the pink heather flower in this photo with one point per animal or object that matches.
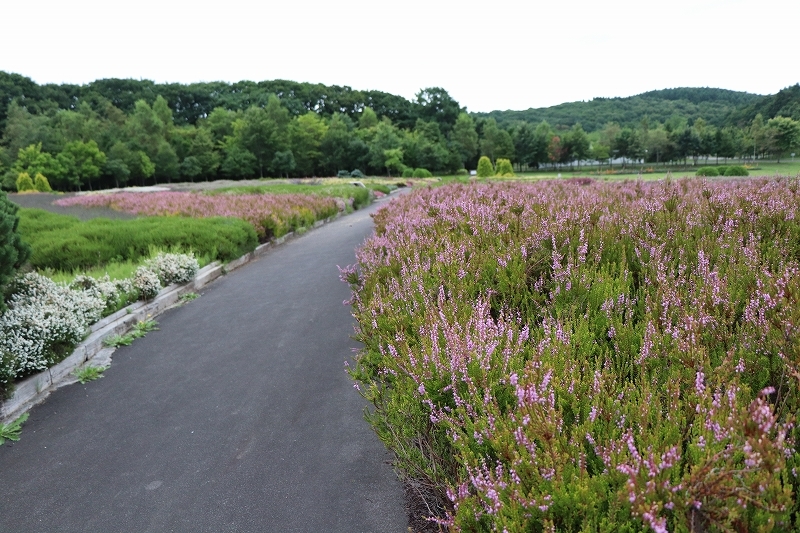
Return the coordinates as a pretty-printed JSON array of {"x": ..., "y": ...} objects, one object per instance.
[{"x": 699, "y": 383}]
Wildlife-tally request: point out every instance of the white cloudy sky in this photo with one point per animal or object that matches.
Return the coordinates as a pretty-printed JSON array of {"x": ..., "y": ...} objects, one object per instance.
[{"x": 505, "y": 54}]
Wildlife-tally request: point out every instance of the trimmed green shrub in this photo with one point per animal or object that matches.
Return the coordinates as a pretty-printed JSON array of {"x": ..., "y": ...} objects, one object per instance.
[
  {"x": 24, "y": 183},
  {"x": 722, "y": 169},
  {"x": 385, "y": 189},
  {"x": 408, "y": 172},
  {"x": 421, "y": 173},
  {"x": 65, "y": 243},
  {"x": 485, "y": 168},
  {"x": 356, "y": 174},
  {"x": 504, "y": 168},
  {"x": 707, "y": 171},
  {"x": 41, "y": 184},
  {"x": 343, "y": 174},
  {"x": 736, "y": 170},
  {"x": 462, "y": 172},
  {"x": 13, "y": 250}
]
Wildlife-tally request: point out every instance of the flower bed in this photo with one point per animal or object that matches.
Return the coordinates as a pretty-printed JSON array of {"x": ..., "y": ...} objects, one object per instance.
[
  {"x": 45, "y": 320},
  {"x": 589, "y": 357},
  {"x": 272, "y": 215}
]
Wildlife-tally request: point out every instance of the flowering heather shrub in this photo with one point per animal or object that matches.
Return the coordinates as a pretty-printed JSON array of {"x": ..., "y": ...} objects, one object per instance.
[
  {"x": 174, "y": 268},
  {"x": 601, "y": 357},
  {"x": 43, "y": 322},
  {"x": 272, "y": 215},
  {"x": 146, "y": 282}
]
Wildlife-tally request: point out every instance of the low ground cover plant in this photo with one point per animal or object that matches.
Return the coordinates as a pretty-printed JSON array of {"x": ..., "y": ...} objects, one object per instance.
[
  {"x": 271, "y": 215},
  {"x": 89, "y": 373},
  {"x": 65, "y": 243},
  {"x": 12, "y": 430},
  {"x": 588, "y": 357}
]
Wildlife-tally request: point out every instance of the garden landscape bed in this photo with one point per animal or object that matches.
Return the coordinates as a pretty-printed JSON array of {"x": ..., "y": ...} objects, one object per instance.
[
  {"x": 588, "y": 356},
  {"x": 35, "y": 389}
]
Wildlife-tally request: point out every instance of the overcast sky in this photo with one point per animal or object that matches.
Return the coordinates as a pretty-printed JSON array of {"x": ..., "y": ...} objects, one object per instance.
[{"x": 502, "y": 54}]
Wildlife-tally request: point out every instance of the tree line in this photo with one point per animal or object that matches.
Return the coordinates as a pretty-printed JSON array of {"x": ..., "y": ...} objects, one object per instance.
[{"x": 135, "y": 132}]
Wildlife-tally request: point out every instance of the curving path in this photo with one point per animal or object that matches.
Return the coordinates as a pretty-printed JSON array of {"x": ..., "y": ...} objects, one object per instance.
[{"x": 236, "y": 416}]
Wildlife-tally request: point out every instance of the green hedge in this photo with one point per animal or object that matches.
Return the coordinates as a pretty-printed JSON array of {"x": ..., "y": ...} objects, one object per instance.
[
  {"x": 65, "y": 243},
  {"x": 708, "y": 172},
  {"x": 736, "y": 170},
  {"x": 421, "y": 173}
]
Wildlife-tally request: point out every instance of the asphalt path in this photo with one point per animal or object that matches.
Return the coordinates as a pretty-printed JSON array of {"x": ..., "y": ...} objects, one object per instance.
[{"x": 237, "y": 415}]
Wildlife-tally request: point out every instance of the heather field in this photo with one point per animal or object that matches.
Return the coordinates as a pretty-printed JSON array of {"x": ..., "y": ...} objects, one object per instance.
[
  {"x": 271, "y": 215},
  {"x": 587, "y": 356}
]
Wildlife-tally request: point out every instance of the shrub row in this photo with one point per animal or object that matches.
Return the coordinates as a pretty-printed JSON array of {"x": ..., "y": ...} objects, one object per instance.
[
  {"x": 344, "y": 195},
  {"x": 503, "y": 168},
  {"x": 45, "y": 320},
  {"x": 600, "y": 357},
  {"x": 26, "y": 184},
  {"x": 65, "y": 243},
  {"x": 271, "y": 215},
  {"x": 733, "y": 170}
]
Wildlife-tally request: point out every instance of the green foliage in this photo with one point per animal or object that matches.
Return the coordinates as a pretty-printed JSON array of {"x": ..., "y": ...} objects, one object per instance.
[
  {"x": 485, "y": 168},
  {"x": 188, "y": 297},
  {"x": 64, "y": 243},
  {"x": 421, "y": 173},
  {"x": 25, "y": 183},
  {"x": 41, "y": 183},
  {"x": 89, "y": 373},
  {"x": 139, "y": 330},
  {"x": 408, "y": 172},
  {"x": 462, "y": 172},
  {"x": 12, "y": 430},
  {"x": 736, "y": 170},
  {"x": 82, "y": 162},
  {"x": 14, "y": 252},
  {"x": 385, "y": 189},
  {"x": 343, "y": 174},
  {"x": 504, "y": 168},
  {"x": 356, "y": 174},
  {"x": 707, "y": 171},
  {"x": 32, "y": 160}
]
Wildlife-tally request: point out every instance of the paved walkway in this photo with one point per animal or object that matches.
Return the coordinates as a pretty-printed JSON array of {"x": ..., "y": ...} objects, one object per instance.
[{"x": 236, "y": 416}]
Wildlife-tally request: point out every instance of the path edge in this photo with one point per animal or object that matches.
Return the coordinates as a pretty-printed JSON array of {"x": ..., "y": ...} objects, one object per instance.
[{"x": 35, "y": 389}]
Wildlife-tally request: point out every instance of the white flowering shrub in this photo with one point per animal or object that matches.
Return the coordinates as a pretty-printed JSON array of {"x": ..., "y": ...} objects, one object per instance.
[
  {"x": 146, "y": 282},
  {"x": 174, "y": 268},
  {"x": 43, "y": 322},
  {"x": 102, "y": 288}
]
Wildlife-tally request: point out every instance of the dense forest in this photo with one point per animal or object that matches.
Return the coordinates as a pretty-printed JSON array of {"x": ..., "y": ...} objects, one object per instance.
[
  {"x": 115, "y": 132},
  {"x": 714, "y": 106}
]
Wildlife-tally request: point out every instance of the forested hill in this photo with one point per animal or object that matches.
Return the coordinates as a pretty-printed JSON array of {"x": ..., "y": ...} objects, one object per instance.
[
  {"x": 113, "y": 132},
  {"x": 785, "y": 104},
  {"x": 190, "y": 102},
  {"x": 713, "y": 105}
]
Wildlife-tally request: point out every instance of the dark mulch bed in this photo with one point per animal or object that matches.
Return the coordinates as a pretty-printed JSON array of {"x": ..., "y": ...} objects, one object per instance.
[
  {"x": 45, "y": 201},
  {"x": 422, "y": 504}
]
